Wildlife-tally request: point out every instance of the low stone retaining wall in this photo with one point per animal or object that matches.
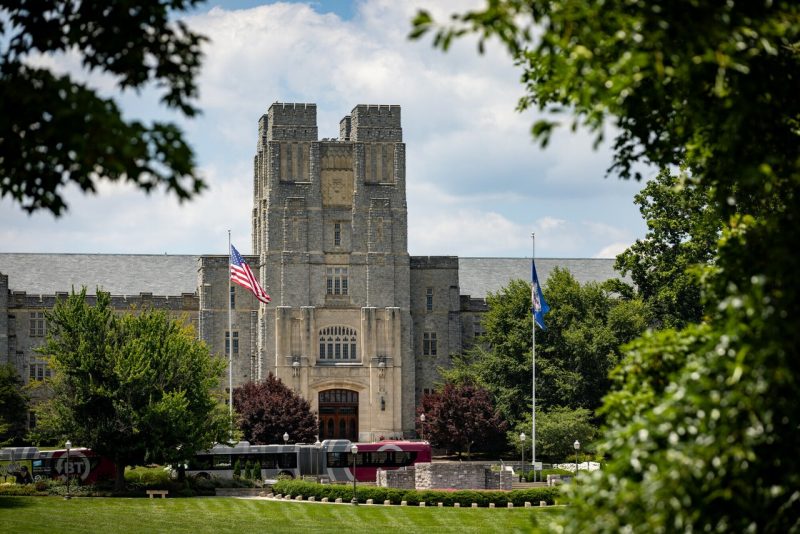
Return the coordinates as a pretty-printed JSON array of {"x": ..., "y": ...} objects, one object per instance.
[
  {"x": 425, "y": 476},
  {"x": 397, "y": 478}
]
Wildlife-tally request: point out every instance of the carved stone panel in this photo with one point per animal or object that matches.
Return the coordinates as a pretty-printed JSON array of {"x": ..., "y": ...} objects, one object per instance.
[{"x": 337, "y": 187}]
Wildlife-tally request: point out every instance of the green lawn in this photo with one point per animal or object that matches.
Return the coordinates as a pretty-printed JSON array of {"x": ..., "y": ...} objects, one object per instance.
[{"x": 224, "y": 514}]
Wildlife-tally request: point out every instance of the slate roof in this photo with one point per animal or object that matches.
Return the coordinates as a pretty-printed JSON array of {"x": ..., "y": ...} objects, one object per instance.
[
  {"x": 119, "y": 274},
  {"x": 131, "y": 274},
  {"x": 479, "y": 276}
]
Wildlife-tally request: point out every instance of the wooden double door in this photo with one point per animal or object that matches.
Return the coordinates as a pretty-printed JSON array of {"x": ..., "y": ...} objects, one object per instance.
[{"x": 338, "y": 414}]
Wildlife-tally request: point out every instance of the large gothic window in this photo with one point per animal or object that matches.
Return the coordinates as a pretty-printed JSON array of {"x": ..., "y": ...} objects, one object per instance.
[{"x": 337, "y": 343}]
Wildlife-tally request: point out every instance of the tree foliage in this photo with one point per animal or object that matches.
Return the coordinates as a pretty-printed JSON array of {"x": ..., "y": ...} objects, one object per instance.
[
  {"x": 712, "y": 86},
  {"x": 55, "y": 131},
  {"x": 13, "y": 406},
  {"x": 267, "y": 409},
  {"x": 462, "y": 418},
  {"x": 556, "y": 431},
  {"x": 585, "y": 328},
  {"x": 683, "y": 228},
  {"x": 136, "y": 388}
]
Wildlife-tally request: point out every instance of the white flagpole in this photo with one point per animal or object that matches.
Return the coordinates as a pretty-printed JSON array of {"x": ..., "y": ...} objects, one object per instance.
[
  {"x": 230, "y": 335},
  {"x": 533, "y": 364}
]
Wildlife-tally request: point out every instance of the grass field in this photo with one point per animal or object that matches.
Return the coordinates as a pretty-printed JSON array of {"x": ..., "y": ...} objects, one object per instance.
[{"x": 225, "y": 514}]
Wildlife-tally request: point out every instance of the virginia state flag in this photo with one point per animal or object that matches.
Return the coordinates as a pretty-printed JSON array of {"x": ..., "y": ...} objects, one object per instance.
[{"x": 540, "y": 306}]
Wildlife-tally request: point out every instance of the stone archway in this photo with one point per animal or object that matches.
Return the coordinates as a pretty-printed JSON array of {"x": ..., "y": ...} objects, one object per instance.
[{"x": 338, "y": 414}]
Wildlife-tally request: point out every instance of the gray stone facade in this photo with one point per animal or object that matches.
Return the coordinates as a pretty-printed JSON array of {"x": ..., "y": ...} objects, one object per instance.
[{"x": 351, "y": 310}]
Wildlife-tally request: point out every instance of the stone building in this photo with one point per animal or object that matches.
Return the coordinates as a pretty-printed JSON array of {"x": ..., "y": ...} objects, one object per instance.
[{"x": 356, "y": 325}]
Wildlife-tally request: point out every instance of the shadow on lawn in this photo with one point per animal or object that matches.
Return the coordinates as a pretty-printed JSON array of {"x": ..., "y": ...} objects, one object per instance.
[{"x": 13, "y": 502}]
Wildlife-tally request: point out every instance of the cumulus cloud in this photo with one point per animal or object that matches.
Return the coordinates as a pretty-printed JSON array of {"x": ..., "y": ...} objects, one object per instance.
[{"x": 476, "y": 183}]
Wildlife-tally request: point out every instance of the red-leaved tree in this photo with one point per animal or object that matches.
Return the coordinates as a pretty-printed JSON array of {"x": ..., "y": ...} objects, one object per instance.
[
  {"x": 268, "y": 408},
  {"x": 461, "y": 417}
]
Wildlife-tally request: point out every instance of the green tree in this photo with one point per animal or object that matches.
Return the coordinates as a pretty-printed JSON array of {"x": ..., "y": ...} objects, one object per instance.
[
  {"x": 712, "y": 86},
  {"x": 556, "y": 431},
  {"x": 585, "y": 328},
  {"x": 461, "y": 417},
  {"x": 135, "y": 388},
  {"x": 55, "y": 131},
  {"x": 267, "y": 409},
  {"x": 13, "y": 406},
  {"x": 683, "y": 228}
]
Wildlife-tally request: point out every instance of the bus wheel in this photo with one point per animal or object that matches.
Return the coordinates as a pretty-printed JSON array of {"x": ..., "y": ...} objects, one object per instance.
[{"x": 286, "y": 474}]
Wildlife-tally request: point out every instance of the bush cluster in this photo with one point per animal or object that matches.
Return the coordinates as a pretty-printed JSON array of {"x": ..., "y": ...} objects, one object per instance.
[
  {"x": 413, "y": 497},
  {"x": 542, "y": 476}
]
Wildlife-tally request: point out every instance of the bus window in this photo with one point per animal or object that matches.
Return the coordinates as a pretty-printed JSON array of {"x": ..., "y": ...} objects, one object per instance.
[
  {"x": 222, "y": 461},
  {"x": 288, "y": 460},
  {"x": 203, "y": 461},
  {"x": 338, "y": 459}
]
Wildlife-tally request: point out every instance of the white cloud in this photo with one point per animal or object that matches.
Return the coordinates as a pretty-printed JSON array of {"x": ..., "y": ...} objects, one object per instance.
[
  {"x": 612, "y": 251},
  {"x": 476, "y": 183}
]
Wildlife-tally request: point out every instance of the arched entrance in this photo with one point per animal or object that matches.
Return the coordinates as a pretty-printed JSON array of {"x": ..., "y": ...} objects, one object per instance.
[{"x": 338, "y": 414}]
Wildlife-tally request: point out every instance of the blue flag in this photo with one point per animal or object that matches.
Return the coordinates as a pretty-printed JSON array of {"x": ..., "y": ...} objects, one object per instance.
[{"x": 540, "y": 306}]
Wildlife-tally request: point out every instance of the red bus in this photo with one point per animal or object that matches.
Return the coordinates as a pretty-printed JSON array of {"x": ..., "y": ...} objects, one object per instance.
[{"x": 385, "y": 455}]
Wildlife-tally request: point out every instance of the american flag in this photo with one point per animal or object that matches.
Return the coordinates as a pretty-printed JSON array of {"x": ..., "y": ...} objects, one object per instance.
[{"x": 242, "y": 275}]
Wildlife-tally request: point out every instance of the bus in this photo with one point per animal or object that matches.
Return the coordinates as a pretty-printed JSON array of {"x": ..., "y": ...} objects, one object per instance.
[
  {"x": 83, "y": 465},
  {"x": 330, "y": 459}
]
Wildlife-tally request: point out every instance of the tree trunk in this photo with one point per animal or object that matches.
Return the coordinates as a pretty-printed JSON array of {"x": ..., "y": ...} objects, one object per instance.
[{"x": 119, "y": 482}]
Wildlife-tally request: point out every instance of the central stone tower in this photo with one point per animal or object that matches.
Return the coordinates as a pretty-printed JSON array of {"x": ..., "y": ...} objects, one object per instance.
[{"x": 330, "y": 231}]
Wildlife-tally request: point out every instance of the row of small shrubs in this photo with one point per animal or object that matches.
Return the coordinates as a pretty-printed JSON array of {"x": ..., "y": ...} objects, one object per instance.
[{"x": 414, "y": 497}]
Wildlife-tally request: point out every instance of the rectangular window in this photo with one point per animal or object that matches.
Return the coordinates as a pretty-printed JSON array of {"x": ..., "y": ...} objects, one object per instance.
[
  {"x": 337, "y": 234},
  {"x": 429, "y": 299},
  {"x": 233, "y": 296},
  {"x": 228, "y": 343},
  {"x": 38, "y": 370},
  {"x": 336, "y": 283},
  {"x": 36, "y": 324},
  {"x": 429, "y": 343}
]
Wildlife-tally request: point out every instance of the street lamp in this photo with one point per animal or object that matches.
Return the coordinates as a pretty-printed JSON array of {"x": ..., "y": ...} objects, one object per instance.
[
  {"x": 577, "y": 446},
  {"x": 354, "y": 450},
  {"x": 422, "y": 424},
  {"x": 285, "y": 438},
  {"x": 522, "y": 442},
  {"x": 68, "y": 444}
]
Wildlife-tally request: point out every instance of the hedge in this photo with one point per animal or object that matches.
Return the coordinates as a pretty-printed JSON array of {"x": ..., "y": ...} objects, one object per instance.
[{"x": 413, "y": 497}]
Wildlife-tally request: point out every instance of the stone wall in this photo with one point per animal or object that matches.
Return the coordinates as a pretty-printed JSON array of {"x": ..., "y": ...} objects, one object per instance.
[
  {"x": 396, "y": 478},
  {"x": 459, "y": 476},
  {"x": 439, "y": 276}
]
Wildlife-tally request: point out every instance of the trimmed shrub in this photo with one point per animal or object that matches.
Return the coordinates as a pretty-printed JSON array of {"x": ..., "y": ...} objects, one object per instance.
[{"x": 465, "y": 498}]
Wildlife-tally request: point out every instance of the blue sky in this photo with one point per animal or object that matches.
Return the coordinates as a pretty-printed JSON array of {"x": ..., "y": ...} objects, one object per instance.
[{"x": 477, "y": 184}]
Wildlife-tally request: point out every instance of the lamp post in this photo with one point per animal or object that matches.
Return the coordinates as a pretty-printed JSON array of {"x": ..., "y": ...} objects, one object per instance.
[
  {"x": 577, "y": 446},
  {"x": 354, "y": 450},
  {"x": 285, "y": 438},
  {"x": 68, "y": 445},
  {"x": 522, "y": 442},
  {"x": 317, "y": 467},
  {"x": 422, "y": 425}
]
